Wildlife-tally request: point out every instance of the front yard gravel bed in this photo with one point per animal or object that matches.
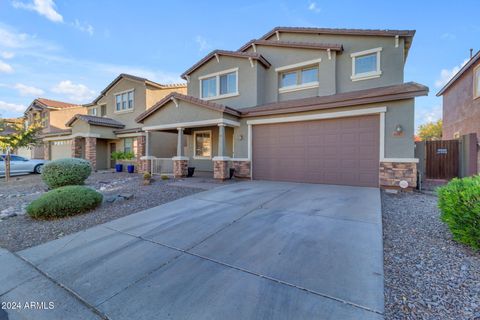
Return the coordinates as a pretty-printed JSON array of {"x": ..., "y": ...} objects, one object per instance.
[
  {"x": 427, "y": 274},
  {"x": 20, "y": 232}
]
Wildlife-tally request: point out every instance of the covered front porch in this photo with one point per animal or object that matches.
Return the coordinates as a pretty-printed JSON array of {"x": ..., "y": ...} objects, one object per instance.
[{"x": 205, "y": 132}]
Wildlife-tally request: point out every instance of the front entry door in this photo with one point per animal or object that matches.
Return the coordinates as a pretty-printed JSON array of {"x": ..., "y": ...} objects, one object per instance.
[{"x": 113, "y": 148}]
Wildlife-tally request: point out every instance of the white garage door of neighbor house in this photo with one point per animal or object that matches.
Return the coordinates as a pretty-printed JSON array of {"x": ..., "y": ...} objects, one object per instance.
[
  {"x": 341, "y": 151},
  {"x": 61, "y": 149}
]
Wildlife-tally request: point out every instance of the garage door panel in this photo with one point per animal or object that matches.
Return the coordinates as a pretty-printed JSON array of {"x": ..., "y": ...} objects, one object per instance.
[{"x": 333, "y": 151}]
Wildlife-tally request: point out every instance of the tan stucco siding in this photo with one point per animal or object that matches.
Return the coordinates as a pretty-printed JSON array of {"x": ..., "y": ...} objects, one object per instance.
[
  {"x": 82, "y": 128},
  {"x": 58, "y": 118},
  {"x": 398, "y": 113},
  {"x": 185, "y": 112},
  {"x": 125, "y": 117},
  {"x": 155, "y": 94}
]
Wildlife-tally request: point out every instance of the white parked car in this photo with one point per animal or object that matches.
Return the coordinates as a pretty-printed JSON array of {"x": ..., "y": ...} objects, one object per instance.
[{"x": 21, "y": 165}]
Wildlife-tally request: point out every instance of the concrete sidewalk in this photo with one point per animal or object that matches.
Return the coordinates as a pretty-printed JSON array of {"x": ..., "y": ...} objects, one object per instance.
[{"x": 252, "y": 250}]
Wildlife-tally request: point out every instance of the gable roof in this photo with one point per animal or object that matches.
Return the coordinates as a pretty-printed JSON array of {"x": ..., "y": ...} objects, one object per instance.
[
  {"x": 407, "y": 34},
  {"x": 196, "y": 101},
  {"x": 336, "y": 31},
  {"x": 467, "y": 66},
  {"x": 293, "y": 44},
  {"x": 236, "y": 54},
  {"x": 345, "y": 99},
  {"x": 55, "y": 104},
  {"x": 139, "y": 79},
  {"x": 96, "y": 121}
]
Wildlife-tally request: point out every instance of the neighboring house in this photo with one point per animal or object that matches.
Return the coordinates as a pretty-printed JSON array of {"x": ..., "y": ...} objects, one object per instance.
[
  {"x": 299, "y": 104},
  {"x": 461, "y": 103},
  {"x": 107, "y": 124},
  {"x": 51, "y": 115}
]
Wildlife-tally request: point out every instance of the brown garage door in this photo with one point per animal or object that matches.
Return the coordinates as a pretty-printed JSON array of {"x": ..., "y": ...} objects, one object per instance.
[{"x": 335, "y": 151}]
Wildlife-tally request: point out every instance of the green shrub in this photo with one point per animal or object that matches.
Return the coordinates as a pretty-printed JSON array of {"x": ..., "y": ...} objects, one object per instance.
[
  {"x": 65, "y": 172},
  {"x": 459, "y": 202},
  {"x": 63, "y": 202}
]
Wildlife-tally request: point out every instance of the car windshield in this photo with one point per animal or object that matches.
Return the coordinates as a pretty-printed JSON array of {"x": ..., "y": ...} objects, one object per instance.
[{"x": 16, "y": 158}]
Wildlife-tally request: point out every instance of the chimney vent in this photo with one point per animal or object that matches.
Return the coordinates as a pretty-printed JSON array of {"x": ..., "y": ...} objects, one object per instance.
[{"x": 471, "y": 53}]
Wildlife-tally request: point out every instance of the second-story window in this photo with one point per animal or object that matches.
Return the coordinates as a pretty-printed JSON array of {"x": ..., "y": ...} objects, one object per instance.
[
  {"x": 219, "y": 85},
  {"x": 366, "y": 64},
  {"x": 92, "y": 111},
  {"x": 124, "y": 101},
  {"x": 299, "y": 78}
]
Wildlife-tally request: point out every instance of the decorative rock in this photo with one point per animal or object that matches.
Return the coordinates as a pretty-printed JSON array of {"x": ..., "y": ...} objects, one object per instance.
[{"x": 126, "y": 196}]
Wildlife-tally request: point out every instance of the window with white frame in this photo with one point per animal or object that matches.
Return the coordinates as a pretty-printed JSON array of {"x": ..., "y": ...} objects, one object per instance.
[
  {"x": 299, "y": 76},
  {"x": 124, "y": 101},
  {"x": 219, "y": 85},
  {"x": 366, "y": 64},
  {"x": 476, "y": 82},
  {"x": 92, "y": 111},
  {"x": 202, "y": 144}
]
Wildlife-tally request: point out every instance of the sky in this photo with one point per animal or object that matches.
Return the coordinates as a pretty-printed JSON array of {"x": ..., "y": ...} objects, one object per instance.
[{"x": 70, "y": 50}]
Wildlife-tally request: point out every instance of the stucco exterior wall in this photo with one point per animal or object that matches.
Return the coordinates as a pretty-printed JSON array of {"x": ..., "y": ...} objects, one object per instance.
[
  {"x": 154, "y": 94},
  {"x": 461, "y": 113},
  {"x": 185, "y": 112},
  {"x": 392, "y": 58},
  {"x": 82, "y": 128},
  {"x": 125, "y": 117},
  {"x": 58, "y": 118},
  {"x": 247, "y": 80}
]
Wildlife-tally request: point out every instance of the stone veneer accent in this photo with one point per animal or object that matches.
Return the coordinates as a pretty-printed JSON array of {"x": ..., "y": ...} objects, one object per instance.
[
  {"x": 180, "y": 168},
  {"x": 142, "y": 165},
  {"x": 91, "y": 151},
  {"x": 391, "y": 173},
  {"x": 46, "y": 150},
  {"x": 242, "y": 168},
  {"x": 77, "y": 147},
  {"x": 220, "y": 169}
]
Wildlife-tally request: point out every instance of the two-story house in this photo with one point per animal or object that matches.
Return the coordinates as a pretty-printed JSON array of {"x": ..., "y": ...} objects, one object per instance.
[
  {"x": 107, "y": 124},
  {"x": 461, "y": 104},
  {"x": 51, "y": 115},
  {"x": 298, "y": 104}
]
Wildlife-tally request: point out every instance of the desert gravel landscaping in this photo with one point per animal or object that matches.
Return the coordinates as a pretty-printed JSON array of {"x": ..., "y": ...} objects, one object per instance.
[
  {"x": 123, "y": 194},
  {"x": 427, "y": 274}
]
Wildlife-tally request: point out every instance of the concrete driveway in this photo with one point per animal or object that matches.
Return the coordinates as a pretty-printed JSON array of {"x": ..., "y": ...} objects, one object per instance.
[{"x": 251, "y": 250}]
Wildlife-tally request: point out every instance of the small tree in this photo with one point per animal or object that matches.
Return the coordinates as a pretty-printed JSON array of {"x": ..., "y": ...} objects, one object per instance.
[
  {"x": 430, "y": 131},
  {"x": 20, "y": 137}
]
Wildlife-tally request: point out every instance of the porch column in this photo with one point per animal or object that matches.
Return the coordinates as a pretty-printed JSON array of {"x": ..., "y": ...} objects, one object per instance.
[
  {"x": 145, "y": 160},
  {"x": 180, "y": 142},
  {"x": 91, "y": 151},
  {"x": 77, "y": 147},
  {"x": 221, "y": 162},
  {"x": 147, "y": 143},
  {"x": 180, "y": 162},
  {"x": 221, "y": 140}
]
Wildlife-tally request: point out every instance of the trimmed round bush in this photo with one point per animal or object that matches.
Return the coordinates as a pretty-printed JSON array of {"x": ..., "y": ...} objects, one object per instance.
[
  {"x": 459, "y": 202},
  {"x": 63, "y": 202},
  {"x": 66, "y": 172}
]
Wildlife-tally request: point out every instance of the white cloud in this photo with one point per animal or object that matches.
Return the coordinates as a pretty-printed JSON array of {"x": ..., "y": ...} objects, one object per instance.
[
  {"x": 75, "y": 92},
  {"x": 7, "y": 54},
  {"x": 11, "y": 107},
  {"x": 25, "y": 90},
  {"x": 448, "y": 36},
  {"x": 12, "y": 40},
  {"x": 428, "y": 114},
  {"x": 203, "y": 45},
  {"x": 5, "y": 67},
  {"x": 314, "y": 7},
  {"x": 44, "y": 8},
  {"x": 84, "y": 27},
  {"x": 447, "y": 74}
]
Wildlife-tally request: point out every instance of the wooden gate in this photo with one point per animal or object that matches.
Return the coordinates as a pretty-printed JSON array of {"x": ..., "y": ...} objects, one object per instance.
[{"x": 442, "y": 159}]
